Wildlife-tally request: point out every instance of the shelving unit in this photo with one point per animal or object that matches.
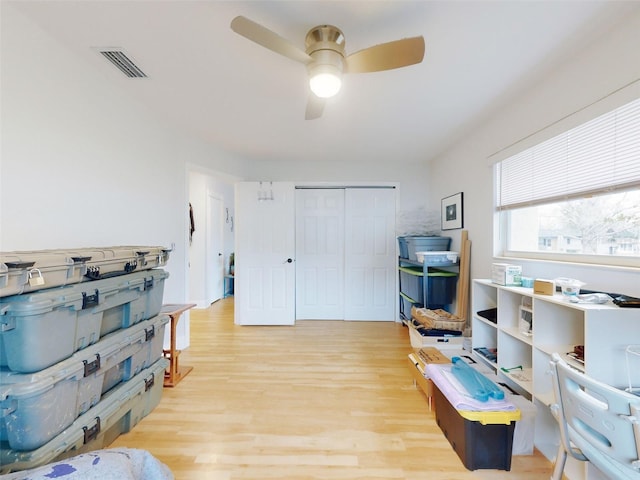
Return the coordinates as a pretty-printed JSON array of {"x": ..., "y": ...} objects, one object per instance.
[
  {"x": 605, "y": 331},
  {"x": 414, "y": 283}
]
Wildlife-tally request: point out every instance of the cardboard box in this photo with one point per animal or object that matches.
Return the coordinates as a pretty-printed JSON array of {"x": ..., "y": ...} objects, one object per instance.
[
  {"x": 506, "y": 274},
  {"x": 431, "y": 355},
  {"x": 544, "y": 287},
  {"x": 417, "y": 362}
]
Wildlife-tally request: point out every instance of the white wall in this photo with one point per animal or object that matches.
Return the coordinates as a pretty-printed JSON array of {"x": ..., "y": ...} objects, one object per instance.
[
  {"x": 413, "y": 214},
  {"x": 82, "y": 164},
  {"x": 610, "y": 63}
]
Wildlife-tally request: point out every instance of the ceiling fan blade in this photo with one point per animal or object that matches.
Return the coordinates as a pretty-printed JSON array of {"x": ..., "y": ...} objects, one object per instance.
[
  {"x": 268, "y": 39},
  {"x": 386, "y": 56},
  {"x": 315, "y": 107}
]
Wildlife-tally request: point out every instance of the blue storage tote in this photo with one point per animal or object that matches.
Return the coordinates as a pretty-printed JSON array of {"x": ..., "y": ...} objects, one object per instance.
[
  {"x": 441, "y": 287},
  {"x": 28, "y": 271},
  {"x": 41, "y": 328},
  {"x": 409, "y": 245},
  {"x": 117, "y": 412},
  {"x": 36, "y": 407}
]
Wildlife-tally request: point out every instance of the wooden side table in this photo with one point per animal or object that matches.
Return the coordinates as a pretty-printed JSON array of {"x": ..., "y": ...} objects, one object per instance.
[{"x": 175, "y": 373}]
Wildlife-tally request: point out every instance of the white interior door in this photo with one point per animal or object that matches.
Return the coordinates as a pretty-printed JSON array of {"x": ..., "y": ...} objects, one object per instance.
[
  {"x": 320, "y": 254},
  {"x": 370, "y": 254},
  {"x": 214, "y": 271},
  {"x": 264, "y": 253}
]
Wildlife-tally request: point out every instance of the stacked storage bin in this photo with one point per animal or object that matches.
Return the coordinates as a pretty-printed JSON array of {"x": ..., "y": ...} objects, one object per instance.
[
  {"x": 422, "y": 286},
  {"x": 81, "y": 339},
  {"x": 416, "y": 274}
]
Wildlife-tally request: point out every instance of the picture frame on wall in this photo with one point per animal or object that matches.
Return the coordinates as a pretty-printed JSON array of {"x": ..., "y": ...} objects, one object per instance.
[{"x": 452, "y": 213}]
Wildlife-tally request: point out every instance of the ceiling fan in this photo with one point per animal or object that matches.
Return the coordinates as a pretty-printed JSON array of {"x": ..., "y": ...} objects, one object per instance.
[{"x": 326, "y": 59}]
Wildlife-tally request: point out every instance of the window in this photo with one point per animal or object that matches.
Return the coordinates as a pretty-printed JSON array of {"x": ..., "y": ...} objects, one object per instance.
[{"x": 576, "y": 196}]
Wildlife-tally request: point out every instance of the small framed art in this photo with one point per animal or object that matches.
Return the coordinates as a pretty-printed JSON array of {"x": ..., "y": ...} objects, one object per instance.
[{"x": 452, "y": 216}]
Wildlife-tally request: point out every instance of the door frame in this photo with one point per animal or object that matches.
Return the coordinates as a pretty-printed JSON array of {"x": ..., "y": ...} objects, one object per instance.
[{"x": 218, "y": 184}]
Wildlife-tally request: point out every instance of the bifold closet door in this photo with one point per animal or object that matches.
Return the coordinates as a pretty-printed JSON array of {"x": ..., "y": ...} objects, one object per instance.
[
  {"x": 370, "y": 254},
  {"x": 345, "y": 254},
  {"x": 320, "y": 254}
]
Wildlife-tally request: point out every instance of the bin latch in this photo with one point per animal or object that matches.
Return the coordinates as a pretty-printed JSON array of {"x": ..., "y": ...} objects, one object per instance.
[
  {"x": 149, "y": 333},
  {"x": 19, "y": 265},
  {"x": 89, "y": 301},
  {"x": 80, "y": 259},
  {"x": 149, "y": 382},
  {"x": 91, "y": 367},
  {"x": 91, "y": 433},
  {"x": 142, "y": 256}
]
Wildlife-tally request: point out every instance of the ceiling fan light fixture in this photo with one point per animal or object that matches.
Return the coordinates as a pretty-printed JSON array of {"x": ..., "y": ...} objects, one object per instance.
[{"x": 325, "y": 83}]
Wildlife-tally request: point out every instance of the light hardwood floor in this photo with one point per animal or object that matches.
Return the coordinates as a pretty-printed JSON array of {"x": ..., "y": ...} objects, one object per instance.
[{"x": 318, "y": 400}]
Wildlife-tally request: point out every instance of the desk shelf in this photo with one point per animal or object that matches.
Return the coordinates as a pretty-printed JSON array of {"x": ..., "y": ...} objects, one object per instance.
[{"x": 557, "y": 326}]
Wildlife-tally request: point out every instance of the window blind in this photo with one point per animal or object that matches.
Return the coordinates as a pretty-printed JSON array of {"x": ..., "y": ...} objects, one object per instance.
[{"x": 601, "y": 155}]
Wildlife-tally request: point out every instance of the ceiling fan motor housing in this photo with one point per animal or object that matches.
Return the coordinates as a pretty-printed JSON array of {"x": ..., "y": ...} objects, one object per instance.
[{"x": 325, "y": 44}]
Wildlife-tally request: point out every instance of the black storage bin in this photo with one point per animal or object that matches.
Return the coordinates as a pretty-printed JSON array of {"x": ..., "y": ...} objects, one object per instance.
[
  {"x": 479, "y": 446},
  {"x": 441, "y": 288}
]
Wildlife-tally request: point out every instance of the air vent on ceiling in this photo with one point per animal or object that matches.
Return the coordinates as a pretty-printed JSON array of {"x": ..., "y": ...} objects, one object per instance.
[{"x": 123, "y": 63}]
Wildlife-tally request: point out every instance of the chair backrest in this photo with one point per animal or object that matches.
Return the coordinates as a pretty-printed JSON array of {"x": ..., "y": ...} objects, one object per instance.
[{"x": 602, "y": 421}]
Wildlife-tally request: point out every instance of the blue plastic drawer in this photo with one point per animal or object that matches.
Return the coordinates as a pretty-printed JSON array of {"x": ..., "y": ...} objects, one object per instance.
[
  {"x": 117, "y": 412},
  {"x": 42, "y": 328},
  {"x": 35, "y": 407}
]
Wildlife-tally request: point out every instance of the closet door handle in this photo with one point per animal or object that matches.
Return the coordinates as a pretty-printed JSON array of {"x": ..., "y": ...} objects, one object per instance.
[{"x": 289, "y": 260}]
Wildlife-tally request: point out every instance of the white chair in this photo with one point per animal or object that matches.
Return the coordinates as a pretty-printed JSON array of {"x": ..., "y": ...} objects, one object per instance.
[{"x": 598, "y": 423}]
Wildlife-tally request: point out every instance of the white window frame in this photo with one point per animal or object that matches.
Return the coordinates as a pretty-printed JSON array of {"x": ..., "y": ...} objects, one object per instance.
[{"x": 616, "y": 99}]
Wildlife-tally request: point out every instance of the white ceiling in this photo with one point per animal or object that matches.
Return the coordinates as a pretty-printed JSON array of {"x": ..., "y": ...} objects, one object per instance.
[{"x": 228, "y": 91}]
